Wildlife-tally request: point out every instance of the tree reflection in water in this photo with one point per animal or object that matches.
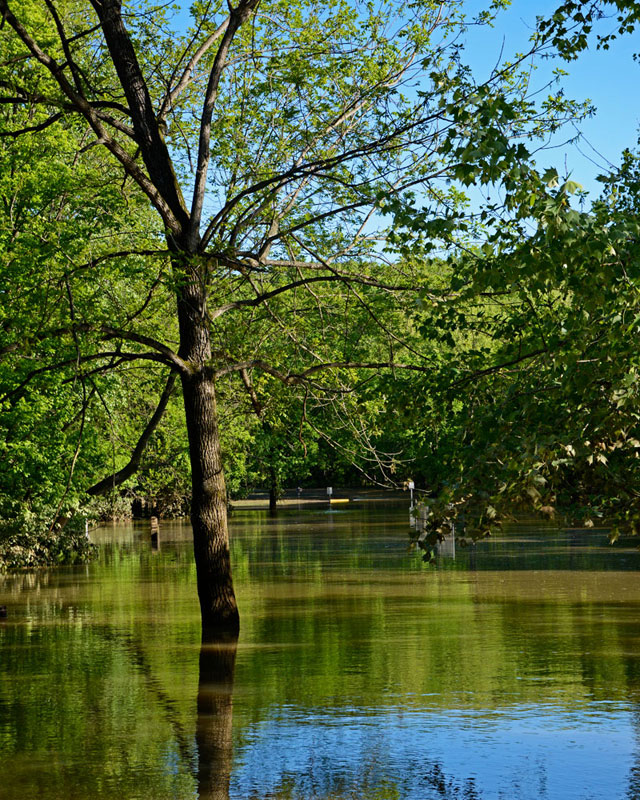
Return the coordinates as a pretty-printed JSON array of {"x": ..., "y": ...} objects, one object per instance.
[
  {"x": 214, "y": 738},
  {"x": 361, "y": 674},
  {"x": 214, "y": 725},
  {"x": 633, "y": 790}
]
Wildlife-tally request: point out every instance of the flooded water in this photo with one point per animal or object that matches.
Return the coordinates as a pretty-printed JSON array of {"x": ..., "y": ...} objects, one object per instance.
[{"x": 512, "y": 671}]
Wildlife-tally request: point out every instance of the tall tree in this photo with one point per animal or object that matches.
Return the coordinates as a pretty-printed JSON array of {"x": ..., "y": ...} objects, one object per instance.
[
  {"x": 270, "y": 138},
  {"x": 542, "y": 394}
]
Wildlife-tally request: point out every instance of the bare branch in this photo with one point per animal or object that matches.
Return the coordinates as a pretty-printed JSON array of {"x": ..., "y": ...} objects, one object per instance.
[
  {"x": 496, "y": 368},
  {"x": 111, "y": 481},
  {"x": 185, "y": 78},
  {"x": 336, "y": 276},
  {"x": 33, "y": 128},
  {"x": 117, "y": 254},
  {"x": 65, "y": 46},
  {"x": 237, "y": 17},
  {"x": 355, "y": 365},
  {"x": 386, "y": 143},
  {"x": 80, "y": 360},
  {"x": 169, "y": 356},
  {"x": 292, "y": 378},
  {"x": 164, "y": 353},
  {"x": 255, "y": 402}
]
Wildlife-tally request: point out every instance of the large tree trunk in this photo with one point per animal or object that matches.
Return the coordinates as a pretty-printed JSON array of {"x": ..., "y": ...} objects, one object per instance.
[{"x": 209, "y": 497}]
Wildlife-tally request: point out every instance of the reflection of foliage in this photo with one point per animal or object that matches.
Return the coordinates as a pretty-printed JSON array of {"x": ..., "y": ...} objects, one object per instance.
[
  {"x": 449, "y": 788},
  {"x": 335, "y": 617}
]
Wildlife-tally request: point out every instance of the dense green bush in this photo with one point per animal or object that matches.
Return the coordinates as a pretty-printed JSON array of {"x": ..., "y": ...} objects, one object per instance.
[{"x": 30, "y": 540}]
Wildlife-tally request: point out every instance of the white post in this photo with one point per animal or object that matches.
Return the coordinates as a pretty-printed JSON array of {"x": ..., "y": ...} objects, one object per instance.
[
  {"x": 329, "y": 493},
  {"x": 411, "y": 486}
]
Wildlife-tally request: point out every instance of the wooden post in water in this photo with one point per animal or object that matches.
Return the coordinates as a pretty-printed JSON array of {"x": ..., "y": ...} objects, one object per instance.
[{"x": 155, "y": 530}]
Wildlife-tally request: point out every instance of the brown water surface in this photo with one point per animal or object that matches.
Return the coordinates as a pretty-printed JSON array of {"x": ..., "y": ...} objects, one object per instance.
[{"x": 512, "y": 671}]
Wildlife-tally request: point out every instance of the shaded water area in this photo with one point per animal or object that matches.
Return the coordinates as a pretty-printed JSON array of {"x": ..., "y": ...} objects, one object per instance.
[{"x": 512, "y": 671}]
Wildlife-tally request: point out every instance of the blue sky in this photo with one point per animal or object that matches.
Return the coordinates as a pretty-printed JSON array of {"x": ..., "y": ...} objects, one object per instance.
[{"x": 609, "y": 78}]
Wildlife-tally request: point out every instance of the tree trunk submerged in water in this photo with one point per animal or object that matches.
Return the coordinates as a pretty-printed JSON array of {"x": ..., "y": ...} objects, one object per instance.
[
  {"x": 274, "y": 490},
  {"x": 209, "y": 497}
]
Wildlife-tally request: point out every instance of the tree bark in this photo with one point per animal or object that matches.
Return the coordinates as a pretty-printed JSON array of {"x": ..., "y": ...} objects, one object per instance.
[
  {"x": 273, "y": 490},
  {"x": 273, "y": 501},
  {"x": 209, "y": 496}
]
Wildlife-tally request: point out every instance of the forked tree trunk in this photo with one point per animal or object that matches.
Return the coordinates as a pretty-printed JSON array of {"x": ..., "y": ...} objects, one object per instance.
[{"x": 209, "y": 497}]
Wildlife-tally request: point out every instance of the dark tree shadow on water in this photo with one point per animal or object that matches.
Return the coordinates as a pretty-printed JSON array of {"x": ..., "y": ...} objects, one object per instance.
[
  {"x": 447, "y": 788},
  {"x": 214, "y": 726},
  {"x": 214, "y": 741}
]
